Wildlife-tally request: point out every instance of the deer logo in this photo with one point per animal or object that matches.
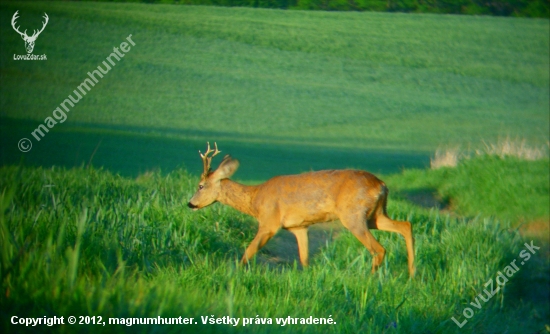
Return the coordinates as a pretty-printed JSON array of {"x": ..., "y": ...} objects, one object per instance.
[{"x": 29, "y": 40}]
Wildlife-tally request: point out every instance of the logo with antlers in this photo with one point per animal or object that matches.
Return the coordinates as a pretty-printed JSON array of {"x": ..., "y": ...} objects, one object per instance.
[{"x": 29, "y": 40}]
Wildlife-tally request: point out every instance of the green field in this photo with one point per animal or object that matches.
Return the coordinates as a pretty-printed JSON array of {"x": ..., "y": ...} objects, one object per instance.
[
  {"x": 321, "y": 90},
  {"x": 87, "y": 242},
  {"x": 93, "y": 220}
]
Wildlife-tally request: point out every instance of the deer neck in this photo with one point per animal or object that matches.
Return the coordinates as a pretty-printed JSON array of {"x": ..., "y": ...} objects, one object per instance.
[{"x": 238, "y": 196}]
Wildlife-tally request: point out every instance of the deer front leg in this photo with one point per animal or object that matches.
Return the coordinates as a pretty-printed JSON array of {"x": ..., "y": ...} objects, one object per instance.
[
  {"x": 261, "y": 238},
  {"x": 303, "y": 248}
]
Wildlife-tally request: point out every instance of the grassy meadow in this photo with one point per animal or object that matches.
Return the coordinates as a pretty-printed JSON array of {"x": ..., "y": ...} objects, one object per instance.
[
  {"x": 93, "y": 220},
  {"x": 317, "y": 89},
  {"x": 88, "y": 242}
]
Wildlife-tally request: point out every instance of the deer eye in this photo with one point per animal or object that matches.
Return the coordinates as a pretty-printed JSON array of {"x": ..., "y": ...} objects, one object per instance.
[{"x": 200, "y": 186}]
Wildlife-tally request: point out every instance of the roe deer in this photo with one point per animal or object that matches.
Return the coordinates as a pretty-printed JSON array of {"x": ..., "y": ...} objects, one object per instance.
[{"x": 293, "y": 202}]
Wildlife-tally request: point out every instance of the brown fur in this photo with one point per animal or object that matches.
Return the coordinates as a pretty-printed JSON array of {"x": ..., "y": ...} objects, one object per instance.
[{"x": 293, "y": 202}]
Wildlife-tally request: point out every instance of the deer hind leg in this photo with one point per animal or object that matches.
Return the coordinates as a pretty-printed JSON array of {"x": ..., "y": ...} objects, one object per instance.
[
  {"x": 301, "y": 237},
  {"x": 384, "y": 223},
  {"x": 356, "y": 224},
  {"x": 261, "y": 238}
]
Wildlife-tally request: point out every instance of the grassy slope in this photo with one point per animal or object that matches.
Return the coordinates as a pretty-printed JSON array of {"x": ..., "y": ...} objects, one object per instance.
[
  {"x": 86, "y": 242},
  {"x": 305, "y": 88},
  {"x": 306, "y": 80},
  {"x": 508, "y": 189}
]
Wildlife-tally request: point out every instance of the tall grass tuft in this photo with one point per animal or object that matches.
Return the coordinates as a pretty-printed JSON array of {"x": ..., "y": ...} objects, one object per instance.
[
  {"x": 445, "y": 158},
  {"x": 505, "y": 147},
  {"x": 518, "y": 148}
]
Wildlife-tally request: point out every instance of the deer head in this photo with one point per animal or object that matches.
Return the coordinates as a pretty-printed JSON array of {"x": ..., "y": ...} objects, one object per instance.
[
  {"x": 29, "y": 40},
  {"x": 209, "y": 185}
]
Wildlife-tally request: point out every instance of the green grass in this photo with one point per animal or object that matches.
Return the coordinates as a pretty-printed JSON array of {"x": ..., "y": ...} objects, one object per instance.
[
  {"x": 284, "y": 92},
  {"x": 333, "y": 82},
  {"x": 87, "y": 242},
  {"x": 507, "y": 189}
]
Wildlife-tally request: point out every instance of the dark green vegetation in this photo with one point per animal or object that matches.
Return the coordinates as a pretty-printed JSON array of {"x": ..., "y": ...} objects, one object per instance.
[
  {"x": 87, "y": 242},
  {"x": 528, "y": 8},
  {"x": 348, "y": 89}
]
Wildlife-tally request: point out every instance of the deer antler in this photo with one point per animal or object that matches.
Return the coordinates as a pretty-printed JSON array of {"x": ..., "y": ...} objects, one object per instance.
[
  {"x": 207, "y": 160},
  {"x": 13, "y": 19},
  {"x": 36, "y": 33}
]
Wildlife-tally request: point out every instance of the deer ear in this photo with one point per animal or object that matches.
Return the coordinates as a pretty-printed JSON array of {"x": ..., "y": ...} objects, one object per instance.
[{"x": 227, "y": 167}]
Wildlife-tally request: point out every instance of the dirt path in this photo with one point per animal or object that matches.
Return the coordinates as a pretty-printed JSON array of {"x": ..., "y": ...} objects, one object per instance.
[{"x": 282, "y": 248}]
